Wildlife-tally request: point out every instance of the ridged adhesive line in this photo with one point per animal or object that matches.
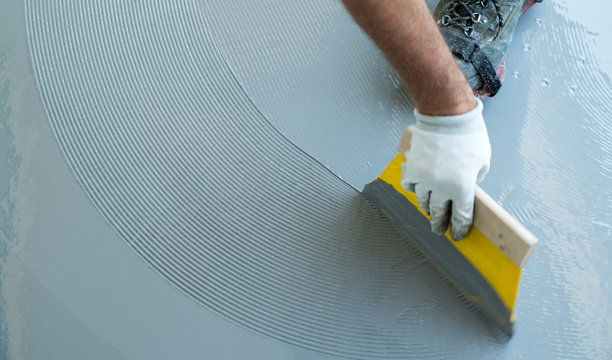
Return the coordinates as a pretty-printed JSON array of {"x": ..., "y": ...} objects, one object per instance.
[
  {"x": 310, "y": 59},
  {"x": 187, "y": 171}
]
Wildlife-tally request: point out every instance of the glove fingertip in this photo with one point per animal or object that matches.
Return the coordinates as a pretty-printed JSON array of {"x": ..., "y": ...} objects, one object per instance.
[
  {"x": 459, "y": 232},
  {"x": 439, "y": 223},
  {"x": 438, "y": 228}
]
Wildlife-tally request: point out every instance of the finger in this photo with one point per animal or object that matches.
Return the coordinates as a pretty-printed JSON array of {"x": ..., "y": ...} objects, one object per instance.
[
  {"x": 462, "y": 216},
  {"x": 440, "y": 213},
  {"x": 422, "y": 193},
  {"x": 409, "y": 177}
]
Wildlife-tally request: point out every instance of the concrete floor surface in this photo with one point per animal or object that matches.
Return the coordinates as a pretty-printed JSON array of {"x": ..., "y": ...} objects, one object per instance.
[{"x": 181, "y": 180}]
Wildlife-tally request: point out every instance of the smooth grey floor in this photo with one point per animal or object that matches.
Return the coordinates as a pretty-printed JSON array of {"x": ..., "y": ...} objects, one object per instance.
[{"x": 75, "y": 284}]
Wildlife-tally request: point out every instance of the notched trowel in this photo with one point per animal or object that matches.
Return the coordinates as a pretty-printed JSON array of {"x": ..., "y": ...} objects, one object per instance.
[{"x": 485, "y": 266}]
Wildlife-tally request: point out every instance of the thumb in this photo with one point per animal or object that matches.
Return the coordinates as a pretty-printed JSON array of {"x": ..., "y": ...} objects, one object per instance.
[{"x": 484, "y": 170}]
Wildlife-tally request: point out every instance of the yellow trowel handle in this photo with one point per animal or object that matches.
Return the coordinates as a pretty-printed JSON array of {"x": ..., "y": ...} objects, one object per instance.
[{"x": 512, "y": 238}]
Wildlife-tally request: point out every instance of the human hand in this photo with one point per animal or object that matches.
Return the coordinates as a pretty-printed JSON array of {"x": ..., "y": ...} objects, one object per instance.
[{"x": 448, "y": 155}]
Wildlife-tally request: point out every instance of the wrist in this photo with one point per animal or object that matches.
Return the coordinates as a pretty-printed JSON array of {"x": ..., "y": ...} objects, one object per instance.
[
  {"x": 470, "y": 121},
  {"x": 459, "y": 107},
  {"x": 449, "y": 100}
]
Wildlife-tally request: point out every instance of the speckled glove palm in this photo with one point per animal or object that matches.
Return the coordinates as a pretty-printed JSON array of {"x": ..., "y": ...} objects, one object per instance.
[{"x": 448, "y": 155}]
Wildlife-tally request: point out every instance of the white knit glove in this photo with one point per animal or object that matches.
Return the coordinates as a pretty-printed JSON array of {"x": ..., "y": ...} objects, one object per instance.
[{"x": 448, "y": 155}]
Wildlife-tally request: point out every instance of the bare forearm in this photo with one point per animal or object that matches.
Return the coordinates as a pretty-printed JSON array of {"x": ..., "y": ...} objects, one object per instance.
[{"x": 406, "y": 33}]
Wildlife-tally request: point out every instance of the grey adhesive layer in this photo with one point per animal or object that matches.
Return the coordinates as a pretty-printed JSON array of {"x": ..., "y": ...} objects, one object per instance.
[
  {"x": 148, "y": 106},
  {"x": 316, "y": 77},
  {"x": 550, "y": 128},
  {"x": 415, "y": 229},
  {"x": 188, "y": 172}
]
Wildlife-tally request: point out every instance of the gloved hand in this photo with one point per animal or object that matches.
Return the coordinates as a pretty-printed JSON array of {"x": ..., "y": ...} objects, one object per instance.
[{"x": 448, "y": 155}]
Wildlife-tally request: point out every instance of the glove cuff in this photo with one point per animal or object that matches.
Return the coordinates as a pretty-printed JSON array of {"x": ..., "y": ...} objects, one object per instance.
[{"x": 466, "y": 123}]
